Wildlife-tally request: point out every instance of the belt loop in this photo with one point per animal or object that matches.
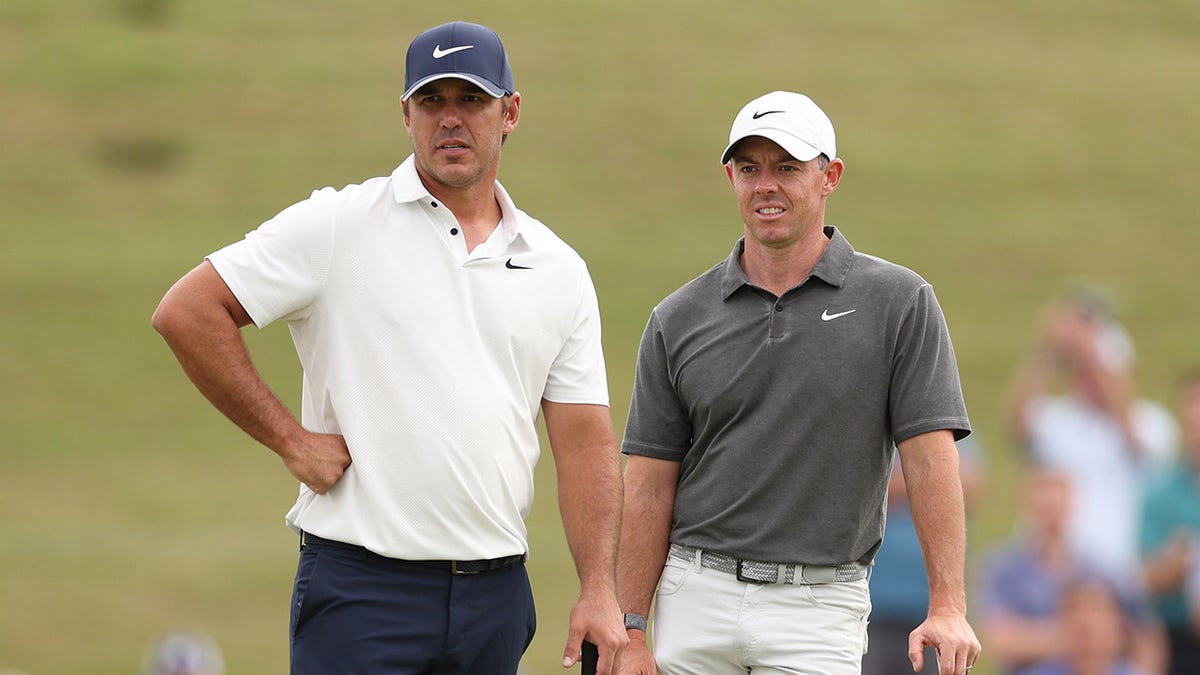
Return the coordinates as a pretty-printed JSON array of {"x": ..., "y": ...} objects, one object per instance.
[{"x": 790, "y": 573}]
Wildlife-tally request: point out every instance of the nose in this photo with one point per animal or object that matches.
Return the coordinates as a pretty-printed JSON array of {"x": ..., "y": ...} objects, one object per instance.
[
  {"x": 765, "y": 183},
  {"x": 450, "y": 116}
]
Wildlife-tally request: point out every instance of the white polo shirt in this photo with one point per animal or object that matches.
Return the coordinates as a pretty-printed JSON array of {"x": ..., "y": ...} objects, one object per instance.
[{"x": 432, "y": 362}]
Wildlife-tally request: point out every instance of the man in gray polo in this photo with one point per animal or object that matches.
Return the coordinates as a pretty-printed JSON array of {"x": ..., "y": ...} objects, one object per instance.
[{"x": 770, "y": 393}]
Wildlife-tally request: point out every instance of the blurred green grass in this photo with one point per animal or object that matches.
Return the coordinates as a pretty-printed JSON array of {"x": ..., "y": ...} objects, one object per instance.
[{"x": 999, "y": 149}]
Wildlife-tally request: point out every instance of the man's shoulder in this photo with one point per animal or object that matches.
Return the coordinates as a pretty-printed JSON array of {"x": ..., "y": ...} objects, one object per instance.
[
  {"x": 369, "y": 189},
  {"x": 539, "y": 233},
  {"x": 872, "y": 268},
  {"x": 701, "y": 290},
  {"x": 549, "y": 246},
  {"x": 361, "y": 196}
]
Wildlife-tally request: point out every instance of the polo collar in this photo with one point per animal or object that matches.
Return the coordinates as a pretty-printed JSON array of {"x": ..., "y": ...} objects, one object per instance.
[
  {"x": 407, "y": 187},
  {"x": 832, "y": 267}
]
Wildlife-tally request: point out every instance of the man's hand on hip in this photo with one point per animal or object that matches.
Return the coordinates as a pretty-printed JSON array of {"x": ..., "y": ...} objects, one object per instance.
[{"x": 318, "y": 460}]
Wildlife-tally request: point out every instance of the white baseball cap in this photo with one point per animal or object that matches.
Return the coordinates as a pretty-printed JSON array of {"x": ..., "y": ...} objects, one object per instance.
[{"x": 791, "y": 120}]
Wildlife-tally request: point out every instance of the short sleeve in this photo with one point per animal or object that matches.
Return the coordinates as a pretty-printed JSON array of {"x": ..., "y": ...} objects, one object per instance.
[
  {"x": 578, "y": 374},
  {"x": 926, "y": 394},
  {"x": 277, "y": 270},
  {"x": 658, "y": 425}
]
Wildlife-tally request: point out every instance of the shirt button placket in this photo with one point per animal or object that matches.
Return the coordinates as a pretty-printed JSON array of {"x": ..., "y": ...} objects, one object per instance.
[{"x": 777, "y": 325}]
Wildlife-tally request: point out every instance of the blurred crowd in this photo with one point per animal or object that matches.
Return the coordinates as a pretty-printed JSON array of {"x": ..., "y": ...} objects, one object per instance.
[{"x": 1101, "y": 575}]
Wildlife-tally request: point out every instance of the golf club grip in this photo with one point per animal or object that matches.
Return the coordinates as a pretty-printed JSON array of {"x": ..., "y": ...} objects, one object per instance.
[{"x": 591, "y": 658}]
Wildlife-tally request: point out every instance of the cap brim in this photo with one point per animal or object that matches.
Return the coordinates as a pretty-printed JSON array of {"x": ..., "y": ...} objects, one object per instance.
[
  {"x": 495, "y": 90},
  {"x": 798, "y": 149}
]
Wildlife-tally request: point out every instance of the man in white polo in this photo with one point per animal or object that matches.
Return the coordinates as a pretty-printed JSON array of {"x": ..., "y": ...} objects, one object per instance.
[{"x": 434, "y": 321}]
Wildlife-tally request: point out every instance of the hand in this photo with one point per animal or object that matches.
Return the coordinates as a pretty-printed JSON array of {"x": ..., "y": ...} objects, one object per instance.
[
  {"x": 637, "y": 658},
  {"x": 599, "y": 621},
  {"x": 956, "y": 644},
  {"x": 318, "y": 460},
  {"x": 1177, "y": 557}
]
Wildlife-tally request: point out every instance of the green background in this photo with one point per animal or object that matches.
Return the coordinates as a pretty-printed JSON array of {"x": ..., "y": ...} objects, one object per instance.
[{"x": 1000, "y": 149}]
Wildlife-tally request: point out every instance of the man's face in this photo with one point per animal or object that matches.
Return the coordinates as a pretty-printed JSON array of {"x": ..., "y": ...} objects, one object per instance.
[
  {"x": 1048, "y": 502},
  {"x": 457, "y": 129},
  {"x": 781, "y": 198}
]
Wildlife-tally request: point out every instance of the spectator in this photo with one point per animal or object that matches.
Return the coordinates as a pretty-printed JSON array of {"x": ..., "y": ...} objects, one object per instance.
[
  {"x": 183, "y": 654},
  {"x": 1096, "y": 634},
  {"x": 1023, "y": 584},
  {"x": 1170, "y": 526},
  {"x": 1104, "y": 439},
  {"x": 899, "y": 590}
]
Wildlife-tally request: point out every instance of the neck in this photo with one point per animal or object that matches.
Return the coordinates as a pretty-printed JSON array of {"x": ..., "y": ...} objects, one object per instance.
[
  {"x": 779, "y": 269},
  {"x": 474, "y": 207}
]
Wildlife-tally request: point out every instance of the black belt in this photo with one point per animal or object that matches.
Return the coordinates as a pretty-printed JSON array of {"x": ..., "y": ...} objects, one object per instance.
[{"x": 456, "y": 567}]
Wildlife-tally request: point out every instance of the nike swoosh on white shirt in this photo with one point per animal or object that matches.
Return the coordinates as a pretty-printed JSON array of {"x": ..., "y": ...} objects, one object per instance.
[
  {"x": 438, "y": 52},
  {"x": 826, "y": 316}
]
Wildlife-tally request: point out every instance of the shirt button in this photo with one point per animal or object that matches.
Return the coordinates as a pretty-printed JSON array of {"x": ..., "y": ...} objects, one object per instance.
[
  {"x": 453, "y": 231},
  {"x": 778, "y": 308},
  {"x": 434, "y": 204}
]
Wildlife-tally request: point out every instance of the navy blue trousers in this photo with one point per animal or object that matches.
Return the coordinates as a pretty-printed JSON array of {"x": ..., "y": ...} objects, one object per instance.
[{"x": 358, "y": 613}]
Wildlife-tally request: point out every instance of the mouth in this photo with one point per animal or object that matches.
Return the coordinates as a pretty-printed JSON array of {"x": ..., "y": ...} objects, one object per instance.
[
  {"x": 769, "y": 211},
  {"x": 452, "y": 145}
]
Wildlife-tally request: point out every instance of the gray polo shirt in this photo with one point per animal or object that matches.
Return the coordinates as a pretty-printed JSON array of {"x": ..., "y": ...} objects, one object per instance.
[{"x": 783, "y": 412}]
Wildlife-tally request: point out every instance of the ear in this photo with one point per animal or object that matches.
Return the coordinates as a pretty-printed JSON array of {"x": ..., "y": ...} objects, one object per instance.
[
  {"x": 407, "y": 121},
  {"x": 513, "y": 114},
  {"x": 833, "y": 176},
  {"x": 729, "y": 171}
]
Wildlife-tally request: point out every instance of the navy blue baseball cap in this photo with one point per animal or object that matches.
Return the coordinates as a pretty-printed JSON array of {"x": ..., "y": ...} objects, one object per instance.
[{"x": 462, "y": 50}]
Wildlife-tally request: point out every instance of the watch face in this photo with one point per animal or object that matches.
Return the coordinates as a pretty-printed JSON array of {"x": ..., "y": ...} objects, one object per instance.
[{"x": 635, "y": 621}]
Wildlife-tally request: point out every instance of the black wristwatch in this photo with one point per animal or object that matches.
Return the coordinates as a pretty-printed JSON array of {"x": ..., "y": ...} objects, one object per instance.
[{"x": 635, "y": 621}]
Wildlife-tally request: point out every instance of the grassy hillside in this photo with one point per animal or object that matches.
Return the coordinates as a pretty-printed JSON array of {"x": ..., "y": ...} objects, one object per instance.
[{"x": 1000, "y": 150}]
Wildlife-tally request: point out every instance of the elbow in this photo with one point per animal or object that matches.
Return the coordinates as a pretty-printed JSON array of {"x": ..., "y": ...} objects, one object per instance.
[
  {"x": 160, "y": 320},
  {"x": 166, "y": 316}
]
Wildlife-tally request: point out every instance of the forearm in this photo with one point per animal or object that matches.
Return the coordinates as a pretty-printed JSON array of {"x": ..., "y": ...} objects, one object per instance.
[
  {"x": 589, "y": 500},
  {"x": 1032, "y": 379},
  {"x": 203, "y": 330},
  {"x": 930, "y": 464},
  {"x": 588, "y": 468},
  {"x": 645, "y": 531},
  {"x": 224, "y": 374}
]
